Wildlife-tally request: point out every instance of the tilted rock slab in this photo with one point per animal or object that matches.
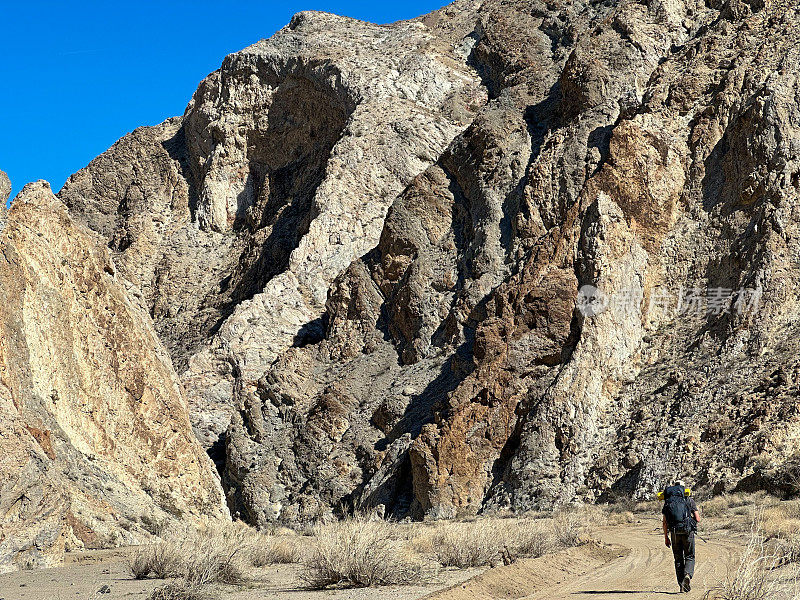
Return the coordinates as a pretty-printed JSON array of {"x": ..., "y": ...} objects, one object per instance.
[
  {"x": 5, "y": 192},
  {"x": 96, "y": 448}
]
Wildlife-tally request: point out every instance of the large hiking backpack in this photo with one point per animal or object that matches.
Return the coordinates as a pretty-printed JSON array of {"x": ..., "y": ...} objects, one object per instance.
[{"x": 676, "y": 509}]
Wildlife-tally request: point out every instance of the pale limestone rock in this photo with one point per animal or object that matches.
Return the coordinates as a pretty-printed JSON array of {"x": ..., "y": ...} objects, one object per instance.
[
  {"x": 278, "y": 177},
  {"x": 522, "y": 403},
  {"x": 97, "y": 449},
  {"x": 397, "y": 98},
  {"x": 5, "y": 188}
]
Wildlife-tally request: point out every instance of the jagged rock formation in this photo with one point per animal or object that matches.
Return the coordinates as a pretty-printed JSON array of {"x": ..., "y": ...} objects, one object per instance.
[
  {"x": 5, "y": 192},
  {"x": 96, "y": 448},
  {"x": 278, "y": 176},
  {"x": 363, "y": 248},
  {"x": 620, "y": 150}
]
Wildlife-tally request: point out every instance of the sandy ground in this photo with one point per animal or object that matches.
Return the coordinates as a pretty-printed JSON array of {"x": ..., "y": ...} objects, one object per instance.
[
  {"x": 85, "y": 573},
  {"x": 627, "y": 561},
  {"x": 630, "y": 561}
]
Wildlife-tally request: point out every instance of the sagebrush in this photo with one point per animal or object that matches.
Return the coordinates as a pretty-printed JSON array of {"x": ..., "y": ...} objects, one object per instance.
[
  {"x": 360, "y": 553},
  {"x": 181, "y": 590}
]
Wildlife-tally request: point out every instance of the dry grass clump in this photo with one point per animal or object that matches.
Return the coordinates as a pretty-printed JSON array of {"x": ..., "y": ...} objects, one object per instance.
[
  {"x": 214, "y": 555},
  {"x": 781, "y": 524},
  {"x": 788, "y": 549},
  {"x": 274, "y": 550},
  {"x": 215, "y": 560},
  {"x": 573, "y": 527},
  {"x": 220, "y": 554},
  {"x": 781, "y": 520},
  {"x": 739, "y": 504},
  {"x": 161, "y": 561},
  {"x": 357, "y": 552},
  {"x": 485, "y": 541},
  {"x": 648, "y": 506},
  {"x": 464, "y": 545},
  {"x": 620, "y": 518},
  {"x": 530, "y": 538},
  {"x": 756, "y": 576},
  {"x": 181, "y": 590},
  {"x": 622, "y": 509},
  {"x": 360, "y": 553},
  {"x": 716, "y": 507}
]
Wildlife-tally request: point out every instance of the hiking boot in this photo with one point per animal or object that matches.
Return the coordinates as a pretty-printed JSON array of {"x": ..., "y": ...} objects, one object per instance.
[{"x": 686, "y": 586}]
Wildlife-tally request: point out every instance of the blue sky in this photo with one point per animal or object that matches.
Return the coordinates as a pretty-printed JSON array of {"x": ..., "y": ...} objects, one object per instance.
[{"x": 77, "y": 76}]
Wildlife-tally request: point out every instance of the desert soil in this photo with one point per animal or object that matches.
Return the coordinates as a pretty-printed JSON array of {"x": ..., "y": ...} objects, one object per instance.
[{"x": 626, "y": 560}]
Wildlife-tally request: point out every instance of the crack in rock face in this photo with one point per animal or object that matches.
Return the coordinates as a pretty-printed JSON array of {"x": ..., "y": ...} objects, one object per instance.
[{"x": 367, "y": 249}]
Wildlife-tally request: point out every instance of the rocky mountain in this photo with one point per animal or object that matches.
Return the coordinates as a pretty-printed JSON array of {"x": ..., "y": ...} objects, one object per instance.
[{"x": 511, "y": 254}]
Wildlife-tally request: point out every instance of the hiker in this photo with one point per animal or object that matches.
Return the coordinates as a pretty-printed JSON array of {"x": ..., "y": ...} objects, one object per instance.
[{"x": 680, "y": 519}]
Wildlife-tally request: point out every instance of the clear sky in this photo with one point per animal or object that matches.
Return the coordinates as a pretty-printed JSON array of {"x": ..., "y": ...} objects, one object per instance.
[{"x": 76, "y": 76}]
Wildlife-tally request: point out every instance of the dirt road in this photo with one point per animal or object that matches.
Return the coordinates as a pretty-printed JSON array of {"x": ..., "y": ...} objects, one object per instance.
[{"x": 631, "y": 561}]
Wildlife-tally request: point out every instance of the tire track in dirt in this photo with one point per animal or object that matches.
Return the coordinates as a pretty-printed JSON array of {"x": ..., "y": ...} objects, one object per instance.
[{"x": 630, "y": 561}]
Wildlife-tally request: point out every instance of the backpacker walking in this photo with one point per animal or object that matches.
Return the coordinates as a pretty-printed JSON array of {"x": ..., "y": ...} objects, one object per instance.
[{"x": 680, "y": 519}]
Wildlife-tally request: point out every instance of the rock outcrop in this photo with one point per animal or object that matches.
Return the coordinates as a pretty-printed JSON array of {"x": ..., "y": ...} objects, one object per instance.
[
  {"x": 96, "y": 448},
  {"x": 511, "y": 254},
  {"x": 631, "y": 148},
  {"x": 279, "y": 175},
  {"x": 5, "y": 192}
]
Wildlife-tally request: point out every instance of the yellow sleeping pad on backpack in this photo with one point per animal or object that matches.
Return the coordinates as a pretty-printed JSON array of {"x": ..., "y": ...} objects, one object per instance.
[{"x": 686, "y": 493}]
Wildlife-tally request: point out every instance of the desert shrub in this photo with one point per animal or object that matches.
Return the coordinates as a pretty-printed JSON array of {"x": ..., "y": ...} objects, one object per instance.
[
  {"x": 648, "y": 506},
  {"x": 780, "y": 522},
  {"x": 530, "y": 538},
  {"x": 162, "y": 561},
  {"x": 620, "y": 517},
  {"x": 754, "y": 576},
  {"x": 572, "y": 527},
  {"x": 181, "y": 590},
  {"x": 258, "y": 549},
  {"x": 465, "y": 545},
  {"x": 734, "y": 504},
  {"x": 217, "y": 556},
  {"x": 358, "y": 553},
  {"x": 484, "y": 541},
  {"x": 273, "y": 551},
  {"x": 791, "y": 508},
  {"x": 139, "y": 564},
  {"x": 788, "y": 549},
  {"x": 214, "y": 555},
  {"x": 715, "y": 507}
]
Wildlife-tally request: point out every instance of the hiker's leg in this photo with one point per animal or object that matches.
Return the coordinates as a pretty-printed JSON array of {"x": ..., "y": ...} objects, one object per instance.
[
  {"x": 677, "y": 553},
  {"x": 688, "y": 553}
]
